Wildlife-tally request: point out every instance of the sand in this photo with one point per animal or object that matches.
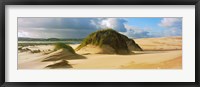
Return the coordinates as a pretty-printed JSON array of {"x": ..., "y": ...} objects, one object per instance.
[
  {"x": 159, "y": 53},
  {"x": 91, "y": 49},
  {"x": 165, "y": 43},
  {"x": 99, "y": 61}
]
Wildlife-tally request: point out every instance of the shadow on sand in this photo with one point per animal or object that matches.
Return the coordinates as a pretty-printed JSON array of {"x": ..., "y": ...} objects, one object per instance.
[
  {"x": 63, "y": 57},
  {"x": 147, "y": 52},
  {"x": 60, "y": 64},
  {"x": 61, "y": 61}
]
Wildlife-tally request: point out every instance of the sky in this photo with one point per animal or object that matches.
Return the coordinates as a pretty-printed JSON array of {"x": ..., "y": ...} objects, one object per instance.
[{"x": 55, "y": 27}]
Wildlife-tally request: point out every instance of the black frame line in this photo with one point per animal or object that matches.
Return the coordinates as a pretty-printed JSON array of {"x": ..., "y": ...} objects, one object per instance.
[{"x": 98, "y": 2}]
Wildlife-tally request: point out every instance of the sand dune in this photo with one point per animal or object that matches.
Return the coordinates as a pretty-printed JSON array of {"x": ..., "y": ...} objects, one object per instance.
[
  {"x": 136, "y": 61},
  {"x": 62, "y": 54},
  {"x": 91, "y": 49},
  {"x": 167, "y": 64},
  {"x": 165, "y": 43},
  {"x": 159, "y": 53}
]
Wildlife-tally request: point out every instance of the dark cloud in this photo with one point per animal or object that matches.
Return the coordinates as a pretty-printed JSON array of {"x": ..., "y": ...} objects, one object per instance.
[
  {"x": 66, "y": 27},
  {"x": 57, "y": 23},
  {"x": 134, "y": 33},
  {"x": 53, "y": 33}
]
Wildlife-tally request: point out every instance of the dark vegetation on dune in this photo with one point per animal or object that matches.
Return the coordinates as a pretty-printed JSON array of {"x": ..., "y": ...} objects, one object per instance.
[
  {"x": 120, "y": 43},
  {"x": 131, "y": 44},
  {"x": 63, "y": 46}
]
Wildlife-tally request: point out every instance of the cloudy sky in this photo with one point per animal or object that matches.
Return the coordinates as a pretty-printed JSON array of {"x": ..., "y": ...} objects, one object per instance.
[{"x": 81, "y": 27}]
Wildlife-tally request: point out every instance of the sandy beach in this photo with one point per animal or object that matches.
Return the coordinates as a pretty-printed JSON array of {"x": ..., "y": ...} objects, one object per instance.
[{"x": 158, "y": 53}]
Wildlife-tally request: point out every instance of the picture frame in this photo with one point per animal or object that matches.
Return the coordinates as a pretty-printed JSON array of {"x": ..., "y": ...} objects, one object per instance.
[{"x": 99, "y": 2}]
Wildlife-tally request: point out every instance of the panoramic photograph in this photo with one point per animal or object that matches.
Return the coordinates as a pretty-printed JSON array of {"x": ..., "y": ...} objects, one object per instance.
[{"x": 99, "y": 43}]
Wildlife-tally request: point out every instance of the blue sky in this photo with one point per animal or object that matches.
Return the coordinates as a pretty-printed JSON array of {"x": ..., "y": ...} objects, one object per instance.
[
  {"x": 80, "y": 27},
  {"x": 144, "y": 22}
]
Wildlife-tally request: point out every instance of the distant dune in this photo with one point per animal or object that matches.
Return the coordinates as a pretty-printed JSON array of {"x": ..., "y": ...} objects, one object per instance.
[
  {"x": 164, "y": 43},
  {"x": 158, "y": 53}
]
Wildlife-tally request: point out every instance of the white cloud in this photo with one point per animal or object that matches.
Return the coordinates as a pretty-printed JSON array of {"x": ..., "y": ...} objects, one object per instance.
[
  {"x": 114, "y": 23},
  {"x": 23, "y": 34},
  {"x": 173, "y": 26},
  {"x": 172, "y": 32},
  {"x": 169, "y": 22}
]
